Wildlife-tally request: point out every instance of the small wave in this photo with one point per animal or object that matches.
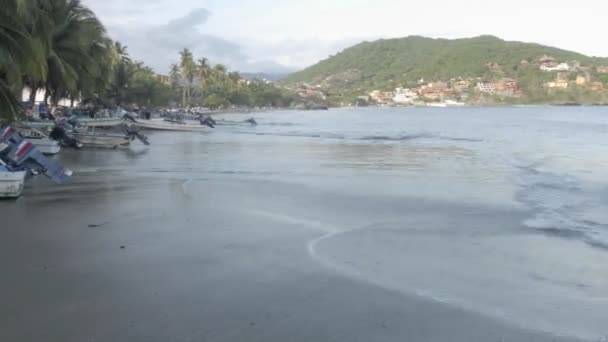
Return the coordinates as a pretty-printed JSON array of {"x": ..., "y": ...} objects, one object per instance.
[
  {"x": 563, "y": 206},
  {"x": 460, "y": 139},
  {"x": 395, "y": 138},
  {"x": 278, "y": 124},
  {"x": 370, "y": 138}
]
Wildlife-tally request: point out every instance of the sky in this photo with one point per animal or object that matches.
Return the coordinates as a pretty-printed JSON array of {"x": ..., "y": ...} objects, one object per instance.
[{"x": 280, "y": 36}]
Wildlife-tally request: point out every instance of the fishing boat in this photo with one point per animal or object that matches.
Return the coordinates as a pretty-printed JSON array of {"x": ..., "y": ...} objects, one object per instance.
[
  {"x": 87, "y": 122},
  {"x": 45, "y": 145},
  {"x": 11, "y": 183},
  {"x": 19, "y": 158},
  {"x": 162, "y": 125},
  {"x": 40, "y": 140},
  {"x": 104, "y": 140}
]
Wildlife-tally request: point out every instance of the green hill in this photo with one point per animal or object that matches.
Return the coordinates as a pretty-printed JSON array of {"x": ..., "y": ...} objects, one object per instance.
[{"x": 391, "y": 62}]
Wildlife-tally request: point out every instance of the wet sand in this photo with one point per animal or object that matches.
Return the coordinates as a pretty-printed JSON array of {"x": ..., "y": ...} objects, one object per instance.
[{"x": 120, "y": 256}]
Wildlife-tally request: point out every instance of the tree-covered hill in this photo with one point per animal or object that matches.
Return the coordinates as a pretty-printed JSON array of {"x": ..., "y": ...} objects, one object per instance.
[{"x": 404, "y": 61}]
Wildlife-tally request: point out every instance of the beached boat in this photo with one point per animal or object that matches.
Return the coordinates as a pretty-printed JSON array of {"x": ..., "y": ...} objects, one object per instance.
[
  {"x": 11, "y": 183},
  {"x": 86, "y": 122},
  {"x": 45, "y": 145},
  {"x": 162, "y": 125},
  {"x": 40, "y": 140},
  {"x": 105, "y": 140}
]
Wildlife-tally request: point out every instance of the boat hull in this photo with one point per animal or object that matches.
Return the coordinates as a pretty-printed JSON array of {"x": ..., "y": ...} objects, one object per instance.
[
  {"x": 108, "y": 122},
  {"x": 45, "y": 145},
  {"x": 158, "y": 125},
  {"x": 11, "y": 184},
  {"x": 103, "y": 140},
  {"x": 105, "y": 122}
]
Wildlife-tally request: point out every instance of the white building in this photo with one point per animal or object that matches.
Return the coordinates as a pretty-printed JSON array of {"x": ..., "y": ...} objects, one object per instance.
[
  {"x": 487, "y": 88},
  {"x": 404, "y": 96},
  {"x": 559, "y": 67}
]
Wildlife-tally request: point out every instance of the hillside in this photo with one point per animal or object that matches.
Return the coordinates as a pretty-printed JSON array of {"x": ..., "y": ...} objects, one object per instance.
[{"x": 387, "y": 63}]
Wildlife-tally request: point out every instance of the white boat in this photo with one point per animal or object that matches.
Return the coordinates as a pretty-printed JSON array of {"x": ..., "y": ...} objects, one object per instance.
[
  {"x": 436, "y": 104},
  {"x": 452, "y": 103},
  {"x": 87, "y": 122},
  {"x": 106, "y": 140},
  {"x": 45, "y": 145},
  {"x": 162, "y": 125},
  {"x": 11, "y": 183},
  {"x": 40, "y": 140},
  {"x": 447, "y": 103},
  {"x": 101, "y": 122}
]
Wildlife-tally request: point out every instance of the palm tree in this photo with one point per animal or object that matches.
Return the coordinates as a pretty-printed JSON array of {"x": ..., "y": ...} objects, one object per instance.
[
  {"x": 122, "y": 71},
  {"x": 234, "y": 76},
  {"x": 18, "y": 53},
  {"x": 220, "y": 70},
  {"x": 75, "y": 48},
  {"x": 204, "y": 73},
  {"x": 121, "y": 55},
  {"x": 219, "y": 76},
  {"x": 174, "y": 75},
  {"x": 188, "y": 70}
]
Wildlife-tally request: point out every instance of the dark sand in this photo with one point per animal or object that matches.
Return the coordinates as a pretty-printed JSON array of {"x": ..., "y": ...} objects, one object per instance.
[{"x": 116, "y": 257}]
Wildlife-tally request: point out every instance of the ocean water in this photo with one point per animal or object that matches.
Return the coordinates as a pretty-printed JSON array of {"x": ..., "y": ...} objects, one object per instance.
[{"x": 502, "y": 211}]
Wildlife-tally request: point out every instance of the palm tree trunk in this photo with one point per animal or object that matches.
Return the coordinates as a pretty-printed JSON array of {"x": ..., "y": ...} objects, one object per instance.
[{"x": 33, "y": 92}]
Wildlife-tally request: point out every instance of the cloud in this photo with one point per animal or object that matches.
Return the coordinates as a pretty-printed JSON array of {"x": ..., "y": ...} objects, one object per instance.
[{"x": 159, "y": 46}]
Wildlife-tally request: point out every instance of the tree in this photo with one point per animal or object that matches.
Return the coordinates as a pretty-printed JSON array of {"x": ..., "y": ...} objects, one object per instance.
[
  {"x": 76, "y": 48},
  {"x": 234, "y": 76},
  {"x": 121, "y": 74},
  {"x": 19, "y": 53},
  {"x": 204, "y": 72},
  {"x": 188, "y": 71},
  {"x": 219, "y": 73}
]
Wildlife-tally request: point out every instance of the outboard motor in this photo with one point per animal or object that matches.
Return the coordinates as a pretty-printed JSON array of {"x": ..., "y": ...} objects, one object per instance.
[
  {"x": 134, "y": 133},
  {"x": 207, "y": 121},
  {"x": 20, "y": 154},
  {"x": 59, "y": 134},
  {"x": 129, "y": 117},
  {"x": 74, "y": 122}
]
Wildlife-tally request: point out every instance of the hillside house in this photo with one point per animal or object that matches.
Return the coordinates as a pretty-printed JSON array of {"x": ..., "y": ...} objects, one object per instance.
[
  {"x": 164, "y": 79},
  {"x": 597, "y": 86},
  {"x": 435, "y": 91},
  {"x": 461, "y": 86},
  {"x": 486, "y": 88},
  {"x": 507, "y": 87},
  {"x": 381, "y": 96},
  {"x": 547, "y": 61},
  {"x": 602, "y": 69},
  {"x": 559, "y": 67},
  {"x": 405, "y": 96},
  {"x": 582, "y": 80},
  {"x": 557, "y": 84}
]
